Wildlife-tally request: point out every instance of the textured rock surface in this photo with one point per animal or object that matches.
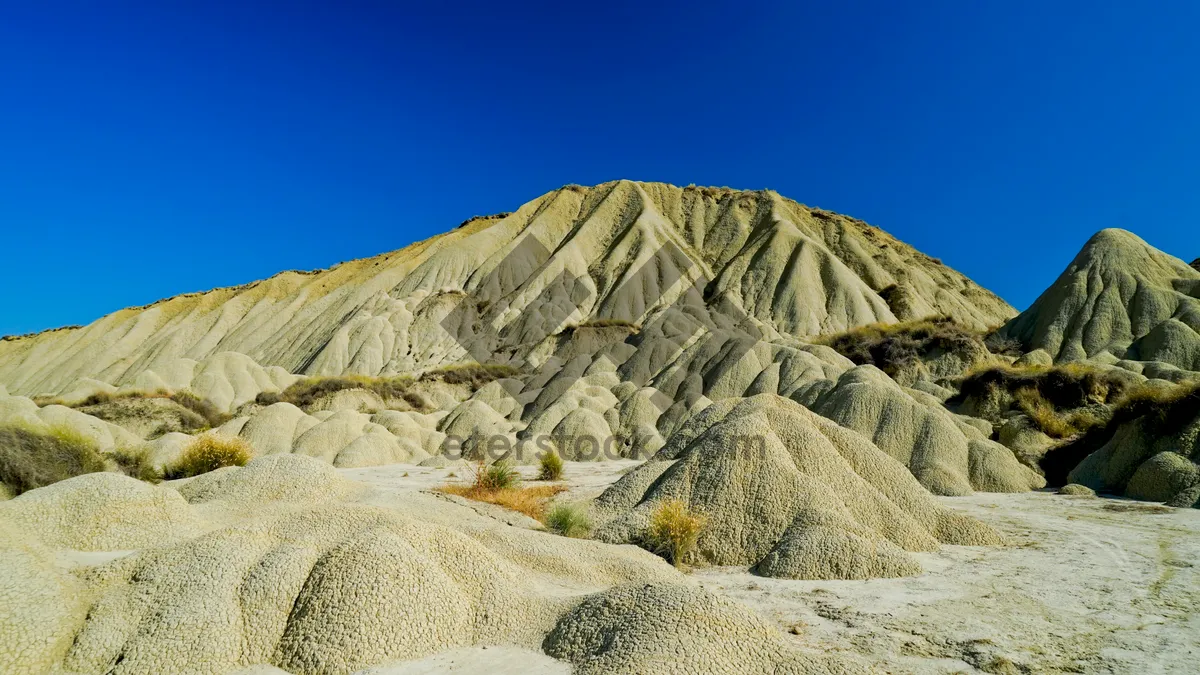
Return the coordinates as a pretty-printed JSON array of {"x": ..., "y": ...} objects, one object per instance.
[
  {"x": 285, "y": 564},
  {"x": 789, "y": 492},
  {"x": 1121, "y": 297},
  {"x": 621, "y": 250},
  {"x": 678, "y": 629},
  {"x": 947, "y": 455},
  {"x": 1142, "y": 462}
]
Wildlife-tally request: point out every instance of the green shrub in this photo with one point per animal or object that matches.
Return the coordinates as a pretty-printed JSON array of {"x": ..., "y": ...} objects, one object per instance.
[
  {"x": 674, "y": 530},
  {"x": 32, "y": 458},
  {"x": 569, "y": 520},
  {"x": 550, "y": 466},
  {"x": 208, "y": 452}
]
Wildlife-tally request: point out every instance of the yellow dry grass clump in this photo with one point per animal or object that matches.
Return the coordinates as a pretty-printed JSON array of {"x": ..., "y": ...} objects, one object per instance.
[
  {"x": 31, "y": 458},
  {"x": 209, "y": 452},
  {"x": 674, "y": 530},
  {"x": 499, "y": 484}
]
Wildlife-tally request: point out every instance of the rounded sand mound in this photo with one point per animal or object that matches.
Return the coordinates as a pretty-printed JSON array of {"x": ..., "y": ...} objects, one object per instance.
[
  {"x": 101, "y": 512},
  {"x": 673, "y": 628},
  {"x": 789, "y": 492},
  {"x": 284, "y": 478}
]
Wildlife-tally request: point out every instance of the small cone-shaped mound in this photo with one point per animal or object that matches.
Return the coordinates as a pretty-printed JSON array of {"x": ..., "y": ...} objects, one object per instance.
[
  {"x": 1121, "y": 297},
  {"x": 790, "y": 492},
  {"x": 693, "y": 630}
]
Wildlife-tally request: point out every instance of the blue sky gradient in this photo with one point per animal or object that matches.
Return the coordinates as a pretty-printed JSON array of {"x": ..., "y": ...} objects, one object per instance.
[{"x": 155, "y": 148}]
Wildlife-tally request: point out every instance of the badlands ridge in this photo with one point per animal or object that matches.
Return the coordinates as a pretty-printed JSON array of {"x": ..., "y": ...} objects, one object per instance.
[{"x": 839, "y": 411}]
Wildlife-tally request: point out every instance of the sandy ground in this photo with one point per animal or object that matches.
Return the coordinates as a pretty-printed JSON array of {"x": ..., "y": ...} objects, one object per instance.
[
  {"x": 1085, "y": 585},
  {"x": 583, "y": 479}
]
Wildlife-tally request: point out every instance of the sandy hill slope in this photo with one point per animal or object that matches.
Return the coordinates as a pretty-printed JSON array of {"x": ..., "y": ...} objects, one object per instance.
[
  {"x": 500, "y": 285},
  {"x": 1120, "y": 298}
]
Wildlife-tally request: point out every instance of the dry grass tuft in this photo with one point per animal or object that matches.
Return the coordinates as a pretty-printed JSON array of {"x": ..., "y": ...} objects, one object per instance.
[
  {"x": 528, "y": 500},
  {"x": 498, "y": 475},
  {"x": 209, "y": 452},
  {"x": 550, "y": 466},
  {"x": 674, "y": 530},
  {"x": 498, "y": 483},
  {"x": 32, "y": 458},
  {"x": 202, "y": 407}
]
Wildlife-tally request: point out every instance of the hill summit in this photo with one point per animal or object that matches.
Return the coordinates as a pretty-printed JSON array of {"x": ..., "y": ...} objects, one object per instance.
[
  {"x": 496, "y": 287},
  {"x": 1120, "y": 298}
]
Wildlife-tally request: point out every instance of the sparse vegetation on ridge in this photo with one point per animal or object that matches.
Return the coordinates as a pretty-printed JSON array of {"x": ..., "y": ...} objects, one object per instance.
[
  {"x": 209, "y": 452},
  {"x": 1062, "y": 401},
  {"x": 602, "y": 323},
  {"x": 31, "y": 458},
  {"x": 309, "y": 390},
  {"x": 1166, "y": 412},
  {"x": 893, "y": 347},
  {"x": 474, "y": 374},
  {"x": 213, "y": 416}
]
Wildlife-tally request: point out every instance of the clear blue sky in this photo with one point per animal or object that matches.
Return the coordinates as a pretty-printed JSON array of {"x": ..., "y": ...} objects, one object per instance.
[{"x": 155, "y": 148}]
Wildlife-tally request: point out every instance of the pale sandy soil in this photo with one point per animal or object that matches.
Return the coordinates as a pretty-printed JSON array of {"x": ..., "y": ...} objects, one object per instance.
[
  {"x": 1085, "y": 585},
  {"x": 583, "y": 479}
]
